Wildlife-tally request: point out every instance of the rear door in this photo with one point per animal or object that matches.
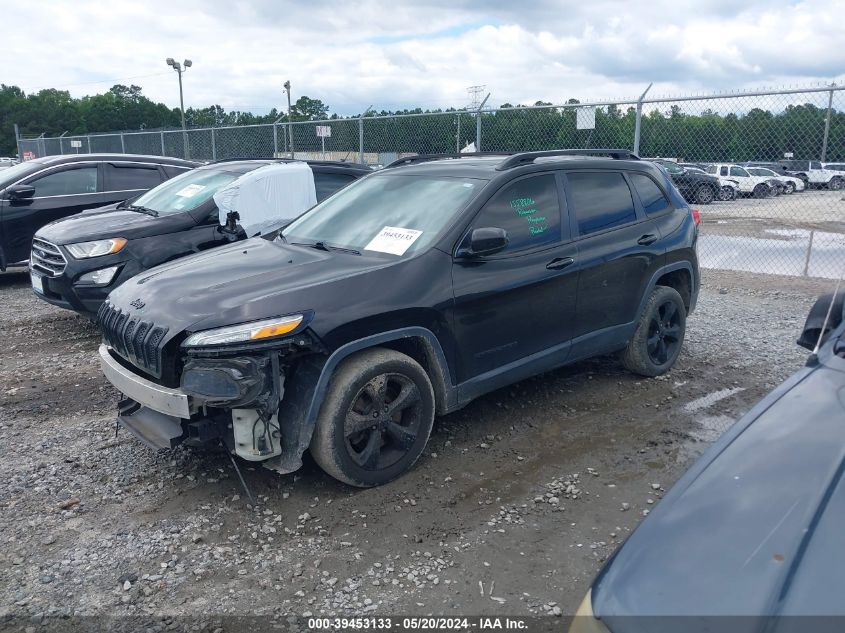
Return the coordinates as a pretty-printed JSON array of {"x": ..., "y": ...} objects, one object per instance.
[
  {"x": 59, "y": 192},
  {"x": 521, "y": 301},
  {"x": 619, "y": 249}
]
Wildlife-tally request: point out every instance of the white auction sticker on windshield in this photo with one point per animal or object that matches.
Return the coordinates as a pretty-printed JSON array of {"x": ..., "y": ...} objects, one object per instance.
[
  {"x": 393, "y": 240},
  {"x": 190, "y": 190}
]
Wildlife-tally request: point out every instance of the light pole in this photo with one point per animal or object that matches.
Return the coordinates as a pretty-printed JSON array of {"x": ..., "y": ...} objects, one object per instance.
[
  {"x": 290, "y": 127},
  {"x": 180, "y": 68}
]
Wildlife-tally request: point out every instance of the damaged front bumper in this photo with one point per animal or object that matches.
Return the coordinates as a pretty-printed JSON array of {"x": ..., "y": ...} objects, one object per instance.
[{"x": 219, "y": 400}]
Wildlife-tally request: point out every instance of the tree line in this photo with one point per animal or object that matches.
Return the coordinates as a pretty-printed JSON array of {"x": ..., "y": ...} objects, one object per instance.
[{"x": 757, "y": 134}]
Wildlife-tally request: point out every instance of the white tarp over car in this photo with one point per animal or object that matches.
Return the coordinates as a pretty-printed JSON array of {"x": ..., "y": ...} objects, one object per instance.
[{"x": 268, "y": 197}]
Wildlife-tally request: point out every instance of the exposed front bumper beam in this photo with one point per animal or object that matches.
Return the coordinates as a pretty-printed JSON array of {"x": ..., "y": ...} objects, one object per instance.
[{"x": 162, "y": 399}]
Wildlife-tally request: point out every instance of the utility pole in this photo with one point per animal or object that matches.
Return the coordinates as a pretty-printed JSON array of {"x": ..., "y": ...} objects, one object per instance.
[
  {"x": 290, "y": 121},
  {"x": 180, "y": 68}
]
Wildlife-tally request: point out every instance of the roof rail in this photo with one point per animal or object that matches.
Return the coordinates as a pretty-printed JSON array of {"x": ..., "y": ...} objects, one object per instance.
[
  {"x": 422, "y": 158},
  {"x": 526, "y": 158},
  {"x": 285, "y": 159}
]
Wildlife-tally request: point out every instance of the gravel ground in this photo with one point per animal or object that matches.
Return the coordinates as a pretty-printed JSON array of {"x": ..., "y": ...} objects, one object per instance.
[{"x": 518, "y": 500}]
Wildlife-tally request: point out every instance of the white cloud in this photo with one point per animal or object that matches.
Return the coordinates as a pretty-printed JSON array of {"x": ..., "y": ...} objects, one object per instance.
[{"x": 402, "y": 54}]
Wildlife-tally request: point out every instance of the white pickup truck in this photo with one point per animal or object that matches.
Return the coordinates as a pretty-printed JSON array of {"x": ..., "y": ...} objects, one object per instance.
[{"x": 814, "y": 174}]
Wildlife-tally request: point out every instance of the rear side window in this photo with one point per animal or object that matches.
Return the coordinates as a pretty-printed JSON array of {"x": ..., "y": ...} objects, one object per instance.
[
  {"x": 528, "y": 209},
  {"x": 723, "y": 171},
  {"x": 67, "y": 183},
  {"x": 124, "y": 178},
  {"x": 327, "y": 183},
  {"x": 651, "y": 196},
  {"x": 739, "y": 172},
  {"x": 600, "y": 200}
]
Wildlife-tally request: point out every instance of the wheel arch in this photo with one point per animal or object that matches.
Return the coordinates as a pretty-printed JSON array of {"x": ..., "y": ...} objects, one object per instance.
[
  {"x": 307, "y": 389},
  {"x": 681, "y": 277}
]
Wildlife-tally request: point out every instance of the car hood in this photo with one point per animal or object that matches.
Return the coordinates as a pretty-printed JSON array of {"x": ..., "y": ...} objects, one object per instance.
[
  {"x": 755, "y": 527},
  {"x": 107, "y": 222},
  {"x": 244, "y": 281}
]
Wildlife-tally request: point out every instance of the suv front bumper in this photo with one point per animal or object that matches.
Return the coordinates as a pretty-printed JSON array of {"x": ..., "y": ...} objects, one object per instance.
[{"x": 166, "y": 400}]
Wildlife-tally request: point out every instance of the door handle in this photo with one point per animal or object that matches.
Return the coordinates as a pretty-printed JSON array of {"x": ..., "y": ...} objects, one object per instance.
[
  {"x": 645, "y": 240},
  {"x": 559, "y": 263}
]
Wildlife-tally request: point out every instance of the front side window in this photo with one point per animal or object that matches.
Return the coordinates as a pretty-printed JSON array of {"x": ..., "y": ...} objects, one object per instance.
[
  {"x": 66, "y": 183},
  {"x": 186, "y": 192},
  {"x": 130, "y": 177},
  {"x": 654, "y": 202},
  {"x": 325, "y": 184},
  {"x": 528, "y": 210},
  {"x": 600, "y": 200},
  {"x": 386, "y": 213},
  {"x": 739, "y": 172},
  {"x": 815, "y": 164}
]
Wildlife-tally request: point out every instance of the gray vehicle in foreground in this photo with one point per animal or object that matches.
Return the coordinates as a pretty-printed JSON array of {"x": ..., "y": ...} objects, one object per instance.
[{"x": 750, "y": 538}]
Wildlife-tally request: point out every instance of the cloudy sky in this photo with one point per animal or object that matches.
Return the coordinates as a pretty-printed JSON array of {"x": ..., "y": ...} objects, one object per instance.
[{"x": 396, "y": 54}]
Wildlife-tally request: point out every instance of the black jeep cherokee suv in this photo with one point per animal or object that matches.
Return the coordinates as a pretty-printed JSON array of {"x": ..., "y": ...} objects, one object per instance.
[{"x": 405, "y": 295}]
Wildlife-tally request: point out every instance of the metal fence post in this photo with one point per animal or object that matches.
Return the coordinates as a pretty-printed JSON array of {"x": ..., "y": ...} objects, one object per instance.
[
  {"x": 827, "y": 123},
  {"x": 478, "y": 124},
  {"x": 122, "y": 143},
  {"x": 88, "y": 138},
  {"x": 213, "y": 145},
  {"x": 639, "y": 119},
  {"x": 162, "y": 143},
  {"x": 361, "y": 140},
  {"x": 275, "y": 140},
  {"x": 18, "y": 141}
]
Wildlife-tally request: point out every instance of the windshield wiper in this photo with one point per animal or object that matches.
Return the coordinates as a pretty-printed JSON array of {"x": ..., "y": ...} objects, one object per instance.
[
  {"x": 151, "y": 212},
  {"x": 322, "y": 246}
]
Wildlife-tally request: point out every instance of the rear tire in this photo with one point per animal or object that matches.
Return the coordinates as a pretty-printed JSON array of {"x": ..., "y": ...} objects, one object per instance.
[
  {"x": 789, "y": 188},
  {"x": 375, "y": 419},
  {"x": 704, "y": 195},
  {"x": 835, "y": 184},
  {"x": 659, "y": 336},
  {"x": 727, "y": 194},
  {"x": 762, "y": 191}
]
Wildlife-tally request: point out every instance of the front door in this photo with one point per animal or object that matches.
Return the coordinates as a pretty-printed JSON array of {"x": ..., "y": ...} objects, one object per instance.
[
  {"x": 518, "y": 303},
  {"x": 61, "y": 192}
]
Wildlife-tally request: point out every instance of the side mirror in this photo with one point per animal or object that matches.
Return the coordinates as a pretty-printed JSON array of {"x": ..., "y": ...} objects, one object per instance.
[
  {"x": 484, "y": 241},
  {"x": 812, "y": 332},
  {"x": 20, "y": 192}
]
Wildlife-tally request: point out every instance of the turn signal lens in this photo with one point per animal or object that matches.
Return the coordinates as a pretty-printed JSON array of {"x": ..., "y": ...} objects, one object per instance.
[{"x": 276, "y": 329}]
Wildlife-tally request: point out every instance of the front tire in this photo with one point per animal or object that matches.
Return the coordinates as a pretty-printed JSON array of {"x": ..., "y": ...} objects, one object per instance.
[
  {"x": 762, "y": 191},
  {"x": 789, "y": 188},
  {"x": 657, "y": 341},
  {"x": 727, "y": 194},
  {"x": 375, "y": 419},
  {"x": 835, "y": 184}
]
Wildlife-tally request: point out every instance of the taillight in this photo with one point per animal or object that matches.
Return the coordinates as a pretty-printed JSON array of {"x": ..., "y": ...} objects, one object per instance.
[{"x": 696, "y": 217}]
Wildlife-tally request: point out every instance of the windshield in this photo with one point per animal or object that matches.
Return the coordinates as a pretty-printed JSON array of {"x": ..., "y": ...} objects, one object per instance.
[
  {"x": 385, "y": 213},
  {"x": 672, "y": 168},
  {"x": 186, "y": 191}
]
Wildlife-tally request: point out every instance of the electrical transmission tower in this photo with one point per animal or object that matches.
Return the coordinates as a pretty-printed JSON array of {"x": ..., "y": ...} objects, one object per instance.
[{"x": 475, "y": 93}]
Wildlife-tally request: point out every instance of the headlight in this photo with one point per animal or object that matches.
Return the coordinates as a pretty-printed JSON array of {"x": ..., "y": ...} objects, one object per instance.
[
  {"x": 245, "y": 332},
  {"x": 585, "y": 621},
  {"x": 84, "y": 250},
  {"x": 100, "y": 277}
]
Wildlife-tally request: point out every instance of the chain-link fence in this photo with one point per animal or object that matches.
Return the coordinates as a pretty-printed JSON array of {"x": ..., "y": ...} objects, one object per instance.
[{"x": 784, "y": 215}]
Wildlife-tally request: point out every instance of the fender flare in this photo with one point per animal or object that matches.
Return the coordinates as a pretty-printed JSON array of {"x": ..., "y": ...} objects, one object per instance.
[
  {"x": 304, "y": 394},
  {"x": 670, "y": 268}
]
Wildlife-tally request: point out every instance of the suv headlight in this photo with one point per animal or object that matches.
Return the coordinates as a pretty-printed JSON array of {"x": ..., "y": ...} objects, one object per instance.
[
  {"x": 245, "y": 332},
  {"x": 84, "y": 250}
]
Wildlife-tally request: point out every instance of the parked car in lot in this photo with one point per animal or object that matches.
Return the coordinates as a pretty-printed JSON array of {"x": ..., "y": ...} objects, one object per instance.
[
  {"x": 813, "y": 173},
  {"x": 750, "y": 537},
  {"x": 408, "y": 293},
  {"x": 749, "y": 184},
  {"x": 77, "y": 261},
  {"x": 39, "y": 191},
  {"x": 838, "y": 167},
  {"x": 694, "y": 186},
  {"x": 791, "y": 183},
  {"x": 729, "y": 188}
]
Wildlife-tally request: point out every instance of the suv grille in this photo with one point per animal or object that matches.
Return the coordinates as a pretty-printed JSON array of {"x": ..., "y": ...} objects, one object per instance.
[
  {"x": 46, "y": 258},
  {"x": 138, "y": 341}
]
